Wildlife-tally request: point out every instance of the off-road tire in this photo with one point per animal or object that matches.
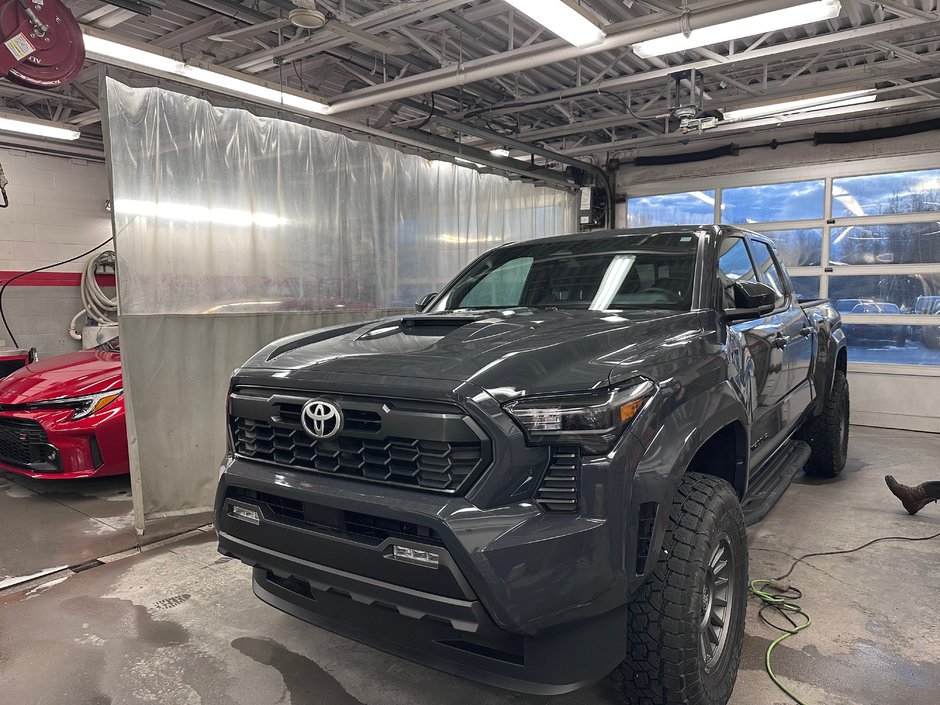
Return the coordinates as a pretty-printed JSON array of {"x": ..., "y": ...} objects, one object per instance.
[
  {"x": 828, "y": 433},
  {"x": 665, "y": 662}
]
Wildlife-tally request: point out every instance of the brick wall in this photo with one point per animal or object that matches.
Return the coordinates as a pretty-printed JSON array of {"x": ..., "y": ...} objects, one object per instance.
[{"x": 57, "y": 211}]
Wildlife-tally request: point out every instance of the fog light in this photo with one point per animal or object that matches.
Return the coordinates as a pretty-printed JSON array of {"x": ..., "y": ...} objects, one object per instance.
[
  {"x": 415, "y": 555},
  {"x": 249, "y": 515}
]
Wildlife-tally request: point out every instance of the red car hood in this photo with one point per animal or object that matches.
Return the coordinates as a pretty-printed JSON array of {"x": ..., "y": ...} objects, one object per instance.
[{"x": 72, "y": 375}]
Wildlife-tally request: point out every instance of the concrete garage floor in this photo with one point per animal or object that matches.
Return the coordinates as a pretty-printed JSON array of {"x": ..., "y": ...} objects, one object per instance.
[
  {"x": 178, "y": 624},
  {"x": 49, "y": 525}
]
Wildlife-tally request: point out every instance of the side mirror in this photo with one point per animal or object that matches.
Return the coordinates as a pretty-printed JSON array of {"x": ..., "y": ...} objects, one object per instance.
[
  {"x": 751, "y": 300},
  {"x": 424, "y": 301}
]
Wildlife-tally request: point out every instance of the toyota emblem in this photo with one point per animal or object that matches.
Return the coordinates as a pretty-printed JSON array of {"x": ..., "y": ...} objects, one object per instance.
[{"x": 321, "y": 419}]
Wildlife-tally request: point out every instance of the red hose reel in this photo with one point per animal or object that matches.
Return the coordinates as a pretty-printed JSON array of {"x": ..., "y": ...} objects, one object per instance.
[{"x": 40, "y": 43}]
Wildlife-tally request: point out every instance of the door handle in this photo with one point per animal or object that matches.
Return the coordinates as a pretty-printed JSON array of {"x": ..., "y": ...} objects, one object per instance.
[
  {"x": 806, "y": 331},
  {"x": 781, "y": 341}
]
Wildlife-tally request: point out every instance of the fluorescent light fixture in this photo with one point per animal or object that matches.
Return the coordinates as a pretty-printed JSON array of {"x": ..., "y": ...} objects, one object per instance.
[
  {"x": 835, "y": 100},
  {"x": 499, "y": 152},
  {"x": 461, "y": 160},
  {"x": 795, "y": 16},
  {"x": 559, "y": 18},
  {"x": 38, "y": 128},
  {"x": 221, "y": 80}
]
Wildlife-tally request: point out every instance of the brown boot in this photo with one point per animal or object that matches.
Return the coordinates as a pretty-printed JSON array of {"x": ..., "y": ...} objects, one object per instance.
[{"x": 913, "y": 498}]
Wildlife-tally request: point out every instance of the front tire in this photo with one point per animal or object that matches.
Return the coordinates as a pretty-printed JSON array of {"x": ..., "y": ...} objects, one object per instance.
[
  {"x": 686, "y": 623},
  {"x": 828, "y": 433}
]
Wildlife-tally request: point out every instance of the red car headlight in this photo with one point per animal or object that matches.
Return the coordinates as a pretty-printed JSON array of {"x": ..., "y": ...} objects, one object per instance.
[{"x": 81, "y": 406}]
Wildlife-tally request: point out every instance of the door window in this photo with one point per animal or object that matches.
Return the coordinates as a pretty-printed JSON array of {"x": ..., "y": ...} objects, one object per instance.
[
  {"x": 734, "y": 265},
  {"x": 769, "y": 270}
]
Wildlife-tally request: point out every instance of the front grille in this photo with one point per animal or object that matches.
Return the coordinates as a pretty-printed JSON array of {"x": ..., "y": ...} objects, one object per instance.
[
  {"x": 20, "y": 441},
  {"x": 429, "y": 446},
  {"x": 558, "y": 491},
  {"x": 366, "y": 528}
]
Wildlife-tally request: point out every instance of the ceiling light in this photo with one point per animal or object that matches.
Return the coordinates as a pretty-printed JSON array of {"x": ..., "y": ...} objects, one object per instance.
[
  {"x": 39, "y": 128},
  {"x": 795, "y": 16},
  {"x": 220, "y": 80},
  {"x": 834, "y": 100},
  {"x": 499, "y": 152},
  {"x": 461, "y": 160},
  {"x": 566, "y": 22}
]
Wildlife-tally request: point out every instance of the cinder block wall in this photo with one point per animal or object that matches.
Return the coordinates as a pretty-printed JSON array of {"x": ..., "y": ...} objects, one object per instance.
[{"x": 57, "y": 211}]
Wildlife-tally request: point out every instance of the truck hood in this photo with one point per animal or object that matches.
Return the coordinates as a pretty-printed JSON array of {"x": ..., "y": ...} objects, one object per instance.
[
  {"x": 505, "y": 352},
  {"x": 72, "y": 375}
]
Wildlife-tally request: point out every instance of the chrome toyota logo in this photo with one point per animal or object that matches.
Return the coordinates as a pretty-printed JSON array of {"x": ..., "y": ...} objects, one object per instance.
[{"x": 321, "y": 419}]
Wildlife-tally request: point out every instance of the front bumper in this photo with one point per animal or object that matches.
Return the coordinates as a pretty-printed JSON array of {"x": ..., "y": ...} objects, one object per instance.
[
  {"x": 520, "y": 598},
  {"x": 48, "y": 445}
]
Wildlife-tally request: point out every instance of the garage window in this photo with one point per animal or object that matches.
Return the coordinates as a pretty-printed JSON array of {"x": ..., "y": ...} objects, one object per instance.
[
  {"x": 882, "y": 194},
  {"x": 869, "y": 243},
  {"x": 691, "y": 208},
  {"x": 773, "y": 203},
  {"x": 903, "y": 243}
]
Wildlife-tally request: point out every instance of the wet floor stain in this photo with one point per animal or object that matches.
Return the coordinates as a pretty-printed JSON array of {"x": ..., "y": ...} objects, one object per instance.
[
  {"x": 305, "y": 680},
  {"x": 868, "y": 673},
  {"x": 103, "y": 650}
]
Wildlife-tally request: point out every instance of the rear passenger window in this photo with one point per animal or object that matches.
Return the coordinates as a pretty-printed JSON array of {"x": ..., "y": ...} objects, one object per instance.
[
  {"x": 734, "y": 264},
  {"x": 769, "y": 269}
]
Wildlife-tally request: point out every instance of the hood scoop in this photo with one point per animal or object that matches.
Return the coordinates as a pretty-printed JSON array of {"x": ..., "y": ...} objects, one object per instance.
[
  {"x": 435, "y": 326},
  {"x": 451, "y": 321}
]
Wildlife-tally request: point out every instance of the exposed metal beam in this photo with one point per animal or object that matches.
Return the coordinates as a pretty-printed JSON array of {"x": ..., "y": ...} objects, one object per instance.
[
  {"x": 542, "y": 55},
  {"x": 512, "y": 143},
  {"x": 480, "y": 156},
  {"x": 844, "y": 37},
  {"x": 748, "y": 125}
]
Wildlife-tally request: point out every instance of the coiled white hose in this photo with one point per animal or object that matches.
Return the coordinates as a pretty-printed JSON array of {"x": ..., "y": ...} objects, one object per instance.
[{"x": 99, "y": 307}]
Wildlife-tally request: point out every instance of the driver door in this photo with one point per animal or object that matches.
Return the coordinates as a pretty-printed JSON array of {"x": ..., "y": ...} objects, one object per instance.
[{"x": 761, "y": 357}]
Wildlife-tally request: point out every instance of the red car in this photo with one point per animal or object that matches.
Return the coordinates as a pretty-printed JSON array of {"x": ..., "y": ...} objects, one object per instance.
[{"x": 63, "y": 418}]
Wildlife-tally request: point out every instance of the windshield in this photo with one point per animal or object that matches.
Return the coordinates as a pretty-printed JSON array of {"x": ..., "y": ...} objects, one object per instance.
[{"x": 650, "y": 271}]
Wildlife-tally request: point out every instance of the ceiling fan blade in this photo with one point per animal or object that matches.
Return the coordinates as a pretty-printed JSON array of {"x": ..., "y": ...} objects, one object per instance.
[
  {"x": 250, "y": 31},
  {"x": 384, "y": 46}
]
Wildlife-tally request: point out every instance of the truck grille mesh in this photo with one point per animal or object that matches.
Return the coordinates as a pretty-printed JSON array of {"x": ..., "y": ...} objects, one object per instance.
[{"x": 437, "y": 465}]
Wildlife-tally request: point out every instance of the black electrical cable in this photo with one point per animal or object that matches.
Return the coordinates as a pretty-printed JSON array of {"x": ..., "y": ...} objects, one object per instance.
[
  {"x": 33, "y": 271},
  {"x": 430, "y": 115},
  {"x": 853, "y": 550}
]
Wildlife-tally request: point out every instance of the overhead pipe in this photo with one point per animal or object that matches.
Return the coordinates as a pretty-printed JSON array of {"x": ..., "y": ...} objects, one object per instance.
[
  {"x": 531, "y": 57},
  {"x": 599, "y": 174}
]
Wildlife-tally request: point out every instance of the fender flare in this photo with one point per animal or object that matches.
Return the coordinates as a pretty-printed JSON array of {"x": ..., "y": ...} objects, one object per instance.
[{"x": 670, "y": 451}]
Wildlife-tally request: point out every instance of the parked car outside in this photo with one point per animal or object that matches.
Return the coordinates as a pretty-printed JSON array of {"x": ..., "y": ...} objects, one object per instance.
[
  {"x": 890, "y": 332},
  {"x": 844, "y": 306},
  {"x": 927, "y": 306},
  {"x": 63, "y": 418}
]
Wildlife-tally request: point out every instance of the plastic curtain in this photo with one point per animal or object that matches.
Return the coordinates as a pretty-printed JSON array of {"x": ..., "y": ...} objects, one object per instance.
[{"x": 232, "y": 230}]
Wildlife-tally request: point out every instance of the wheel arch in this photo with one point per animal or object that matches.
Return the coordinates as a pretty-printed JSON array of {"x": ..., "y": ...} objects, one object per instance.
[{"x": 712, "y": 422}]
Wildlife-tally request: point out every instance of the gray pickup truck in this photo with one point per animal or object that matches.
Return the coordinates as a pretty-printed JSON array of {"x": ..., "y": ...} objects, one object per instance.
[{"x": 543, "y": 476}]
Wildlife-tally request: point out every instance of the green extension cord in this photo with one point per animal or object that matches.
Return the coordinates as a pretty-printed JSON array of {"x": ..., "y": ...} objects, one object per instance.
[
  {"x": 784, "y": 596},
  {"x": 782, "y": 600}
]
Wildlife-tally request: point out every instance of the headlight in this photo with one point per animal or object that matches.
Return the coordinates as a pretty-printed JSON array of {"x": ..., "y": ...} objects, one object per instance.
[
  {"x": 593, "y": 420},
  {"x": 82, "y": 406}
]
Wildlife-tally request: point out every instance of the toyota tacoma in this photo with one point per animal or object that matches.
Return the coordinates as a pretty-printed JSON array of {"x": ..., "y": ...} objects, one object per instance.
[{"x": 544, "y": 475}]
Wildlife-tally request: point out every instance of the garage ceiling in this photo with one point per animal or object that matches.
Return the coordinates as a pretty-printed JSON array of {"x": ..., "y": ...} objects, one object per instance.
[{"x": 501, "y": 80}]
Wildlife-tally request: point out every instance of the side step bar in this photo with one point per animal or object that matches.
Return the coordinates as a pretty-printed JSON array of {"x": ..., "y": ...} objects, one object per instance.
[{"x": 769, "y": 483}]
